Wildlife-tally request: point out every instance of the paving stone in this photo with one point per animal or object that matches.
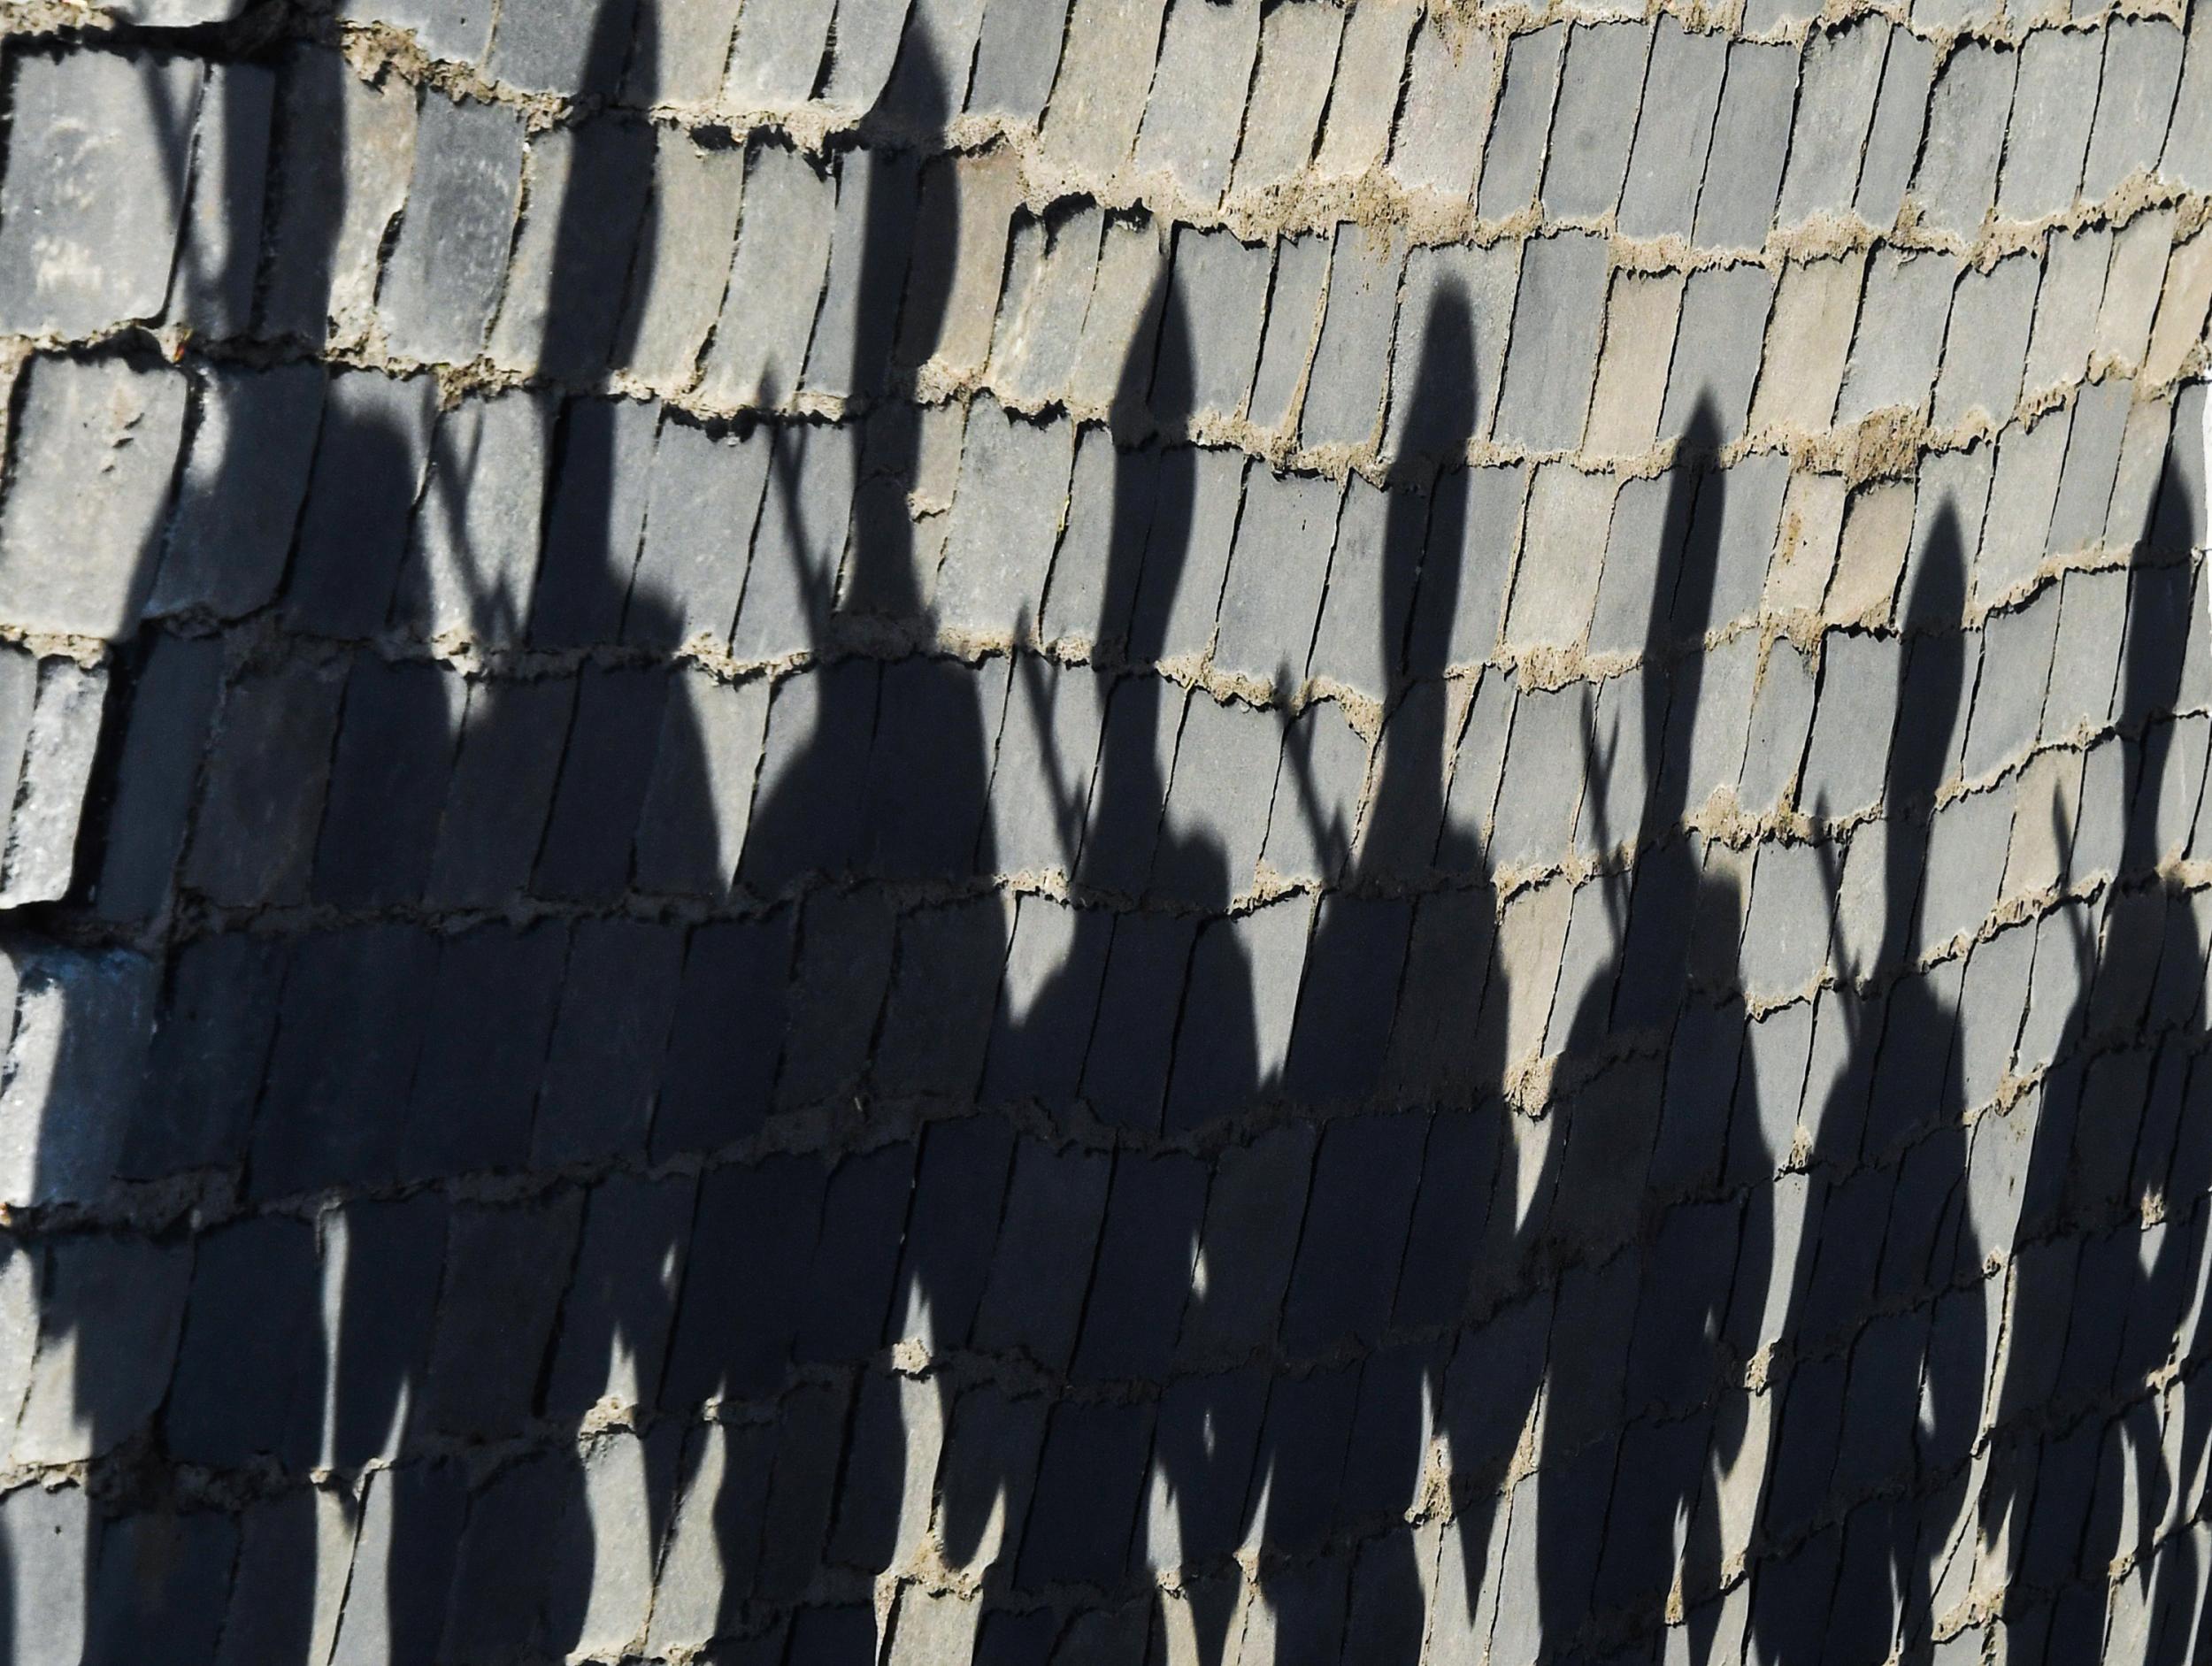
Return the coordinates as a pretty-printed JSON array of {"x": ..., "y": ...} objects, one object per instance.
[
  {"x": 1987, "y": 344},
  {"x": 938, "y": 1020},
  {"x": 1600, "y": 89},
  {"x": 1017, "y": 52},
  {"x": 678, "y": 279},
  {"x": 1294, "y": 318},
  {"x": 1558, "y": 321},
  {"x": 1271, "y": 601},
  {"x": 2066, "y": 310},
  {"x": 1371, "y": 68},
  {"x": 2016, "y": 650},
  {"x": 1106, "y": 68},
  {"x": 1344, "y": 401},
  {"x": 1193, "y": 113},
  {"x": 1876, "y": 538},
  {"x": 89, "y": 198},
  {"x": 1681, "y": 94},
  {"x": 1781, "y": 722},
  {"x": 1244, "y": 971},
  {"x": 1136, "y": 757},
  {"x": 471, "y": 564},
  {"x": 219, "y": 251},
  {"x": 1210, "y": 334},
  {"x": 760, "y": 344},
  {"x": 1324, "y": 765},
  {"x": 99, "y": 436},
  {"x": 1297, "y": 64},
  {"x": 1641, "y": 322},
  {"x": 1361, "y": 641},
  {"x": 2188, "y": 154},
  {"x": 1835, "y": 113},
  {"x": 2022, "y": 494},
  {"x": 238, "y": 496},
  {"x": 387, "y": 783},
  {"x": 562, "y": 303},
  {"x": 1717, "y": 350},
  {"x": 2132, "y": 290},
  {"x": 778, "y": 56},
  {"x": 1901, "y": 114},
  {"x": 704, "y": 496},
  {"x": 263, "y": 792},
  {"x": 2135, "y": 102},
  {"x": 1844, "y": 764},
  {"x": 1955, "y": 184},
  {"x": 2047, "y": 137},
  {"x": 1556, "y": 582},
  {"x": 1899, "y": 344},
  {"x": 2079, "y": 513},
  {"x": 1120, "y": 330},
  {"x": 370, "y": 456},
  {"x": 1050, "y": 270},
  {"x": 1809, "y": 339},
  {"x": 870, "y": 240},
  {"x": 1450, "y": 354},
  {"x": 1513, "y": 161},
  {"x": 1446, "y": 110},
  {"x": 1743, "y": 171},
  {"x": 1541, "y": 791},
  {"x": 111, "y": 1307},
  {"x": 442, "y": 283},
  {"x": 1966, "y": 845},
  {"x": 1195, "y": 516}
]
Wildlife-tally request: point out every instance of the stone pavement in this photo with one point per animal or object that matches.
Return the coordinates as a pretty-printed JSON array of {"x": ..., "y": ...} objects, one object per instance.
[{"x": 1105, "y": 831}]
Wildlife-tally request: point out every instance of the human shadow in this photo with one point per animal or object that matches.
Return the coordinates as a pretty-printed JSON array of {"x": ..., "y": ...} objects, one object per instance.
[{"x": 1883, "y": 1336}]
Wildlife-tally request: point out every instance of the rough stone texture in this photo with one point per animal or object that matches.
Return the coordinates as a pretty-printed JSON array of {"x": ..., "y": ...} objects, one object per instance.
[{"x": 1120, "y": 831}]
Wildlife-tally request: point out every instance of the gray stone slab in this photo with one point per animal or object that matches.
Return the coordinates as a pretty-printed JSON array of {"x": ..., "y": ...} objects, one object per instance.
[
  {"x": 1105, "y": 71},
  {"x": 699, "y": 801},
  {"x": 1452, "y": 322},
  {"x": 444, "y": 278},
  {"x": 778, "y": 56},
  {"x": 2017, "y": 530},
  {"x": 2047, "y": 139},
  {"x": 1642, "y": 554},
  {"x": 1956, "y": 182},
  {"x": 1216, "y": 816},
  {"x": 1297, "y": 64},
  {"x": 1899, "y": 341},
  {"x": 1785, "y": 931},
  {"x": 2135, "y": 102},
  {"x": 1681, "y": 96},
  {"x": 2085, "y": 664},
  {"x": 1513, "y": 162},
  {"x": 1743, "y": 170},
  {"x": 682, "y": 264},
  {"x": 561, "y": 46},
  {"x": 1051, "y": 267},
  {"x": 58, "y": 753},
  {"x": 1717, "y": 349},
  {"x": 2093, "y": 463},
  {"x": 458, "y": 30},
  {"x": 1849, "y": 751},
  {"x": 1558, "y": 322},
  {"x": 342, "y": 175},
  {"x": 1018, "y": 51},
  {"x": 877, "y": 196},
  {"x": 472, "y": 561},
  {"x": 89, "y": 203},
  {"x": 1835, "y": 110},
  {"x": 1541, "y": 786},
  {"x": 1949, "y": 509},
  {"x": 680, "y": 49},
  {"x": 1966, "y": 857},
  {"x": 705, "y": 496},
  {"x": 1719, "y": 727},
  {"x": 1736, "y": 524},
  {"x": 2187, "y": 158},
  {"x": 1324, "y": 765},
  {"x": 1209, "y": 336},
  {"x": 1446, "y": 110},
  {"x": 783, "y": 241},
  {"x": 562, "y": 301},
  {"x": 1986, "y": 346},
  {"x": 1046, "y": 747},
  {"x": 219, "y": 256},
  {"x": 2017, "y": 649},
  {"x": 1901, "y": 116},
  {"x": 93, "y": 452},
  {"x": 171, "y": 701},
  {"x": 1360, "y": 641},
  {"x": 1006, "y": 517},
  {"x": 1344, "y": 400},
  {"x": 2066, "y": 307},
  {"x": 1193, "y": 114},
  {"x": 1370, "y": 67},
  {"x": 262, "y": 797},
  {"x": 1474, "y": 529},
  {"x": 1555, "y": 582},
  {"x": 1601, "y": 90},
  {"x": 1781, "y": 724},
  {"x": 925, "y": 61},
  {"x": 1294, "y": 318},
  {"x": 2135, "y": 488},
  {"x": 1272, "y": 602}
]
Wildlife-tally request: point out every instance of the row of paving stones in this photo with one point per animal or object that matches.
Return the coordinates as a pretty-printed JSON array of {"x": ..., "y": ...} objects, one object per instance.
[
  {"x": 515, "y": 521},
  {"x": 1364, "y": 1232},
  {"x": 749, "y": 273},
  {"x": 1229, "y": 103}
]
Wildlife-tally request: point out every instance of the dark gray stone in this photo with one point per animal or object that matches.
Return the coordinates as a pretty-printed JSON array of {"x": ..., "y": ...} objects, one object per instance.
[
  {"x": 1835, "y": 110},
  {"x": 1558, "y": 321},
  {"x": 1901, "y": 114},
  {"x": 1743, "y": 171},
  {"x": 1955, "y": 184},
  {"x": 442, "y": 280},
  {"x": 1601, "y": 90},
  {"x": 262, "y": 798},
  {"x": 1681, "y": 96},
  {"x": 1344, "y": 396},
  {"x": 2047, "y": 137},
  {"x": 2135, "y": 102},
  {"x": 1514, "y": 159}
]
